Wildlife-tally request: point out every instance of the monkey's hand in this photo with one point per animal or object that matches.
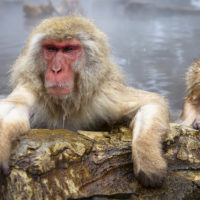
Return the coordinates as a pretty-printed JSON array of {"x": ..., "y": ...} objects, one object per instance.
[
  {"x": 149, "y": 165},
  {"x": 196, "y": 123},
  {"x": 14, "y": 120}
]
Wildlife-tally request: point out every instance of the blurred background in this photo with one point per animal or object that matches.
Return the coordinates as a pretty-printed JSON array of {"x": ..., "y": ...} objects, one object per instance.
[{"x": 153, "y": 41}]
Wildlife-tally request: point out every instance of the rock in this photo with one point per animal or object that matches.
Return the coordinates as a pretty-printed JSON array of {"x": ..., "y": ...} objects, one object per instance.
[{"x": 59, "y": 164}]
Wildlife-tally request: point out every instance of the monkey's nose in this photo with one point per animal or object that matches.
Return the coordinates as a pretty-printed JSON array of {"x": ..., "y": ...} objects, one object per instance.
[{"x": 57, "y": 70}]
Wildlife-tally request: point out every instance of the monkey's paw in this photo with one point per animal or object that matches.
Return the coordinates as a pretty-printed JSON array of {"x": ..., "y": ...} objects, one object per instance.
[
  {"x": 153, "y": 180},
  {"x": 150, "y": 168},
  {"x": 196, "y": 123}
]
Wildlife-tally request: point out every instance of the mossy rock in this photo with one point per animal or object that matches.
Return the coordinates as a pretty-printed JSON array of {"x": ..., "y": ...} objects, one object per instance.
[{"x": 59, "y": 164}]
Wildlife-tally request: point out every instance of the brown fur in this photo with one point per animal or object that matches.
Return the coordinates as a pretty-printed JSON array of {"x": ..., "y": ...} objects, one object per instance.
[
  {"x": 191, "y": 108},
  {"x": 100, "y": 95}
]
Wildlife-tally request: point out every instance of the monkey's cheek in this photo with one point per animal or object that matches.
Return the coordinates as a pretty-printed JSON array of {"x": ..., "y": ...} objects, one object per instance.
[{"x": 59, "y": 91}]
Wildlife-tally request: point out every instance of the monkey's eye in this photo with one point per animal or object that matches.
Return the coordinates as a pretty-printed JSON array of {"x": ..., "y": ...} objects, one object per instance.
[
  {"x": 69, "y": 48},
  {"x": 51, "y": 48}
]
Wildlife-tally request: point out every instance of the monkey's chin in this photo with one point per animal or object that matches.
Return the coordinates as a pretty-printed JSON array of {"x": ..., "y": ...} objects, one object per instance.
[{"x": 59, "y": 91}]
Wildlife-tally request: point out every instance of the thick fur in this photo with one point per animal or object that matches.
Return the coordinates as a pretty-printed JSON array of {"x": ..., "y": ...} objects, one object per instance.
[
  {"x": 100, "y": 96},
  {"x": 191, "y": 109}
]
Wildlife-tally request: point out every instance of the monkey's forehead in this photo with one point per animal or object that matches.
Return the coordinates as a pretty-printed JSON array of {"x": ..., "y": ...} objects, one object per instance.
[{"x": 67, "y": 27}]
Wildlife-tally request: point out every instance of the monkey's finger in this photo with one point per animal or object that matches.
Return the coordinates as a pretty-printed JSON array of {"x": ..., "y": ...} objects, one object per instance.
[
  {"x": 196, "y": 125},
  {"x": 152, "y": 181},
  {"x": 5, "y": 168}
]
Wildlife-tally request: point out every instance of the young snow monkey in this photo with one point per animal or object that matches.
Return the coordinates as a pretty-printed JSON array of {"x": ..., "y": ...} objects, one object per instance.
[
  {"x": 191, "y": 108},
  {"x": 65, "y": 70}
]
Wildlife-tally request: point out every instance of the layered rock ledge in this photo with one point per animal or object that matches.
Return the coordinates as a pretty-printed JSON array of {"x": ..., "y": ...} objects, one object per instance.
[{"x": 59, "y": 164}]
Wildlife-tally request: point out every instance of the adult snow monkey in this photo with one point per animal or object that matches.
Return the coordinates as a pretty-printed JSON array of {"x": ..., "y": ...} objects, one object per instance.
[{"x": 65, "y": 70}]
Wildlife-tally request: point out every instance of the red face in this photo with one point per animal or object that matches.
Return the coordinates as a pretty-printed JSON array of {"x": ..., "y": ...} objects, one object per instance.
[{"x": 60, "y": 57}]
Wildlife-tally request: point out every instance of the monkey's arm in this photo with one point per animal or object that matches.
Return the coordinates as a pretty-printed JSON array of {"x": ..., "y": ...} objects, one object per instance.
[
  {"x": 149, "y": 125},
  {"x": 149, "y": 117},
  {"x": 14, "y": 120}
]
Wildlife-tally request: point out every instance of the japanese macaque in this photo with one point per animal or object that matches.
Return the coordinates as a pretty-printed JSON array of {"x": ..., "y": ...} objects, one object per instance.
[
  {"x": 191, "y": 109},
  {"x": 65, "y": 72}
]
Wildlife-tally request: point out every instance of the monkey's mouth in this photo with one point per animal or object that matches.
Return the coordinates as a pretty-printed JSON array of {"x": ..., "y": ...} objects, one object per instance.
[{"x": 59, "y": 89}]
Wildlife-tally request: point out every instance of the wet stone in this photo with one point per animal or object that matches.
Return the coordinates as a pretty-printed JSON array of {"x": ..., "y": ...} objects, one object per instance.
[{"x": 59, "y": 164}]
